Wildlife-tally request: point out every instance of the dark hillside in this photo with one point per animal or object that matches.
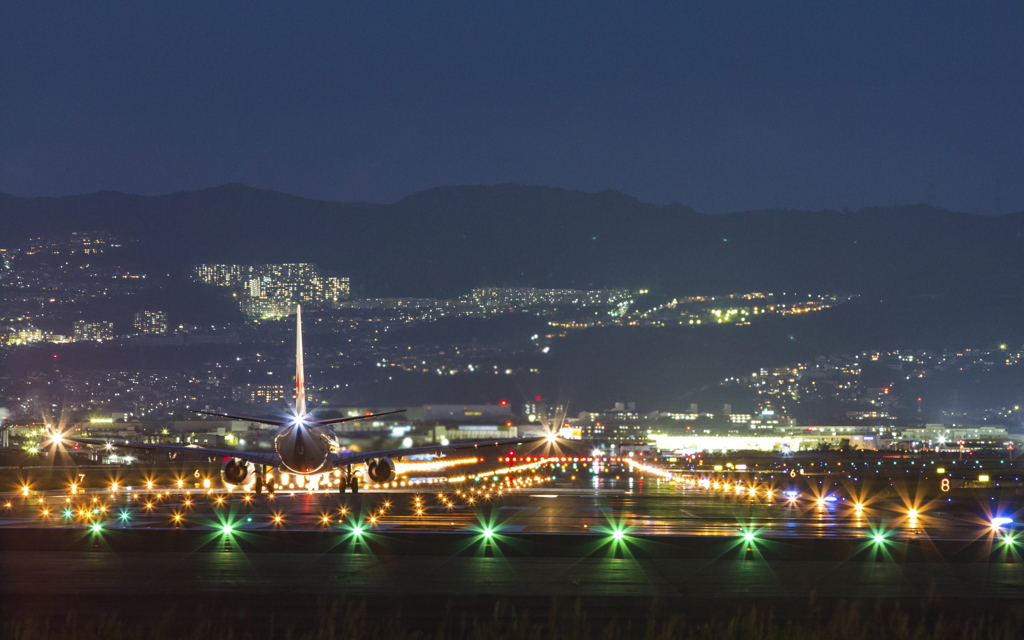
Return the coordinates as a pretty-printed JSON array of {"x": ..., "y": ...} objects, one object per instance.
[{"x": 445, "y": 241}]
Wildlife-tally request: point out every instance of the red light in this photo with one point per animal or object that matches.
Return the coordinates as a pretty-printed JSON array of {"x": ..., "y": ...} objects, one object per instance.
[
  {"x": 55, "y": 355},
  {"x": 537, "y": 398},
  {"x": 503, "y": 403}
]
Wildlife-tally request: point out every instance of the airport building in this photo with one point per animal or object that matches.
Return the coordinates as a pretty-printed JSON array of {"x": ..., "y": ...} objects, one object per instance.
[
  {"x": 778, "y": 443},
  {"x": 444, "y": 435},
  {"x": 467, "y": 413},
  {"x": 947, "y": 434}
]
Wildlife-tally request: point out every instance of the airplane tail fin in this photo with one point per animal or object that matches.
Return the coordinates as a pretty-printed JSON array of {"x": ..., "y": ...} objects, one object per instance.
[{"x": 300, "y": 381}]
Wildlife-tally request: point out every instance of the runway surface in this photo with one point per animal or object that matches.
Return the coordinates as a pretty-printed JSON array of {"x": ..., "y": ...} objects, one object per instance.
[
  {"x": 602, "y": 537},
  {"x": 633, "y": 505}
]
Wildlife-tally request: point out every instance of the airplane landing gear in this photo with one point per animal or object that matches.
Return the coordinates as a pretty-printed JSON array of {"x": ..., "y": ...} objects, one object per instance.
[
  {"x": 349, "y": 481},
  {"x": 258, "y": 485},
  {"x": 271, "y": 486}
]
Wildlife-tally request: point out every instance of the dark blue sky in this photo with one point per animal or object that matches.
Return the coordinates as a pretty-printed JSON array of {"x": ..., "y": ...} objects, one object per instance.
[{"x": 721, "y": 105}]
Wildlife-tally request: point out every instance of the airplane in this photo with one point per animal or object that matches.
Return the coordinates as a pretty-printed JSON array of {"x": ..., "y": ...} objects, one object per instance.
[{"x": 304, "y": 445}]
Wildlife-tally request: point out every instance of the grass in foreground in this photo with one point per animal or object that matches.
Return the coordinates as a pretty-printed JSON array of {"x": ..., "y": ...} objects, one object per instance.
[{"x": 351, "y": 620}]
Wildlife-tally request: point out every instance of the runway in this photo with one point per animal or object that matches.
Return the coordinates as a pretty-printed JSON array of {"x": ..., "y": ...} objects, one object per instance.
[
  {"x": 602, "y": 539},
  {"x": 634, "y": 505}
]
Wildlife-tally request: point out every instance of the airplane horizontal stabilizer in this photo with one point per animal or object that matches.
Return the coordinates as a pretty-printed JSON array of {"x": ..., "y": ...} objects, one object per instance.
[
  {"x": 270, "y": 421},
  {"x": 371, "y": 415}
]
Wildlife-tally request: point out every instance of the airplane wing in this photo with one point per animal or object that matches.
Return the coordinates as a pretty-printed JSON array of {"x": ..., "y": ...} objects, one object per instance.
[
  {"x": 267, "y": 458},
  {"x": 276, "y": 423},
  {"x": 363, "y": 456}
]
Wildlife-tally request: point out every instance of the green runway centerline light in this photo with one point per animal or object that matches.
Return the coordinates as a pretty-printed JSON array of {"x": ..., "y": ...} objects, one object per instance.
[{"x": 748, "y": 536}]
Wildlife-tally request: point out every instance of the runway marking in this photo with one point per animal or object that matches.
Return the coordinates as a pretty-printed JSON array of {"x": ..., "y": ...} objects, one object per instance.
[{"x": 543, "y": 496}]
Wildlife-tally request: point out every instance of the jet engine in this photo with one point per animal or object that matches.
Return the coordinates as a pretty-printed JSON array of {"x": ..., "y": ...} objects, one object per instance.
[
  {"x": 381, "y": 469},
  {"x": 237, "y": 472}
]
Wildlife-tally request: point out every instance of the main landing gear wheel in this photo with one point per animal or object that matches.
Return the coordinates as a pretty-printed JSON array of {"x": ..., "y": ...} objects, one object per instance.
[
  {"x": 258, "y": 485},
  {"x": 271, "y": 486},
  {"x": 354, "y": 484}
]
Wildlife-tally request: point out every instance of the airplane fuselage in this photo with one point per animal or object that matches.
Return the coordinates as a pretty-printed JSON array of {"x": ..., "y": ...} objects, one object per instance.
[{"x": 304, "y": 449}]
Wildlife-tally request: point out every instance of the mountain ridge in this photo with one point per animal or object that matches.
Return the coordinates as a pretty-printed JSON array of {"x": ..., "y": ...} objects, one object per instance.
[
  {"x": 242, "y": 187},
  {"x": 444, "y": 241}
]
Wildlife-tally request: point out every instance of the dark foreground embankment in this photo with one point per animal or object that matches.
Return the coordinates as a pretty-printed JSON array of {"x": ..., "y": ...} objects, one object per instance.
[{"x": 402, "y": 618}]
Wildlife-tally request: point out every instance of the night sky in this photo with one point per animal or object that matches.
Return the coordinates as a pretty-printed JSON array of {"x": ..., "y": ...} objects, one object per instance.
[{"x": 724, "y": 106}]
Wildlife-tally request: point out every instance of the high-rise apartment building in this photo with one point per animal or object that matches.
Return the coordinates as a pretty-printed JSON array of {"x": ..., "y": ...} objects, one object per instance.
[
  {"x": 151, "y": 322},
  {"x": 269, "y": 393},
  {"x": 85, "y": 331}
]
